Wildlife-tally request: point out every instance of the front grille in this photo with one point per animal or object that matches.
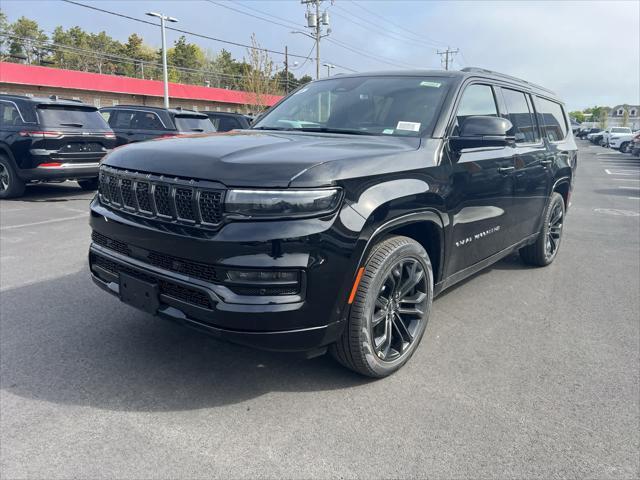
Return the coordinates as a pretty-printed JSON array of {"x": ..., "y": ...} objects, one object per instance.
[
  {"x": 110, "y": 243},
  {"x": 187, "y": 202},
  {"x": 166, "y": 287}
]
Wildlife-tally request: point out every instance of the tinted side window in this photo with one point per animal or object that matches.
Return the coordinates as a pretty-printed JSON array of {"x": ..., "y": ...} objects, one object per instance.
[
  {"x": 520, "y": 114},
  {"x": 553, "y": 122},
  {"x": 476, "y": 100},
  {"x": 121, "y": 119},
  {"x": 9, "y": 115},
  {"x": 106, "y": 114}
]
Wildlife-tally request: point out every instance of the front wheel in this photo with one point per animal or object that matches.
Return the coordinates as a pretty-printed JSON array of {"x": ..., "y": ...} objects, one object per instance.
[
  {"x": 90, "y": 184},
  {"x": 390, "y": 310},
  {"x": 543, "y": 251},
  {"x": 624, "y": 146}
]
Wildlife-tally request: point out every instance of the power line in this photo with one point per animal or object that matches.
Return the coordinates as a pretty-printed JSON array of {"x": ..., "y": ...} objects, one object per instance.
[
  {"x": 126, "y": 60},
  {"x": 379, "y": 29},
  {"x": 338, "y": 43},
  {"x": 200, "y": 35},
  {"x": 421, "y": 37},
  {"x": 446, "y": 54}
]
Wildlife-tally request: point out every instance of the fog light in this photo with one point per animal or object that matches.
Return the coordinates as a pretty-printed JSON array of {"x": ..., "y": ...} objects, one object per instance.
[{"x": 262, "y": 276}]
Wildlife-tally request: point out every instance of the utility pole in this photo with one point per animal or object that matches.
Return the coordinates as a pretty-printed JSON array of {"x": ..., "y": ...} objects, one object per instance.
[
  {"x": 315, "y": 21},
  {"x": 447, "y": 53},
  {"x": 286, "y": 69},
  {"x": 165, "y": 75}
]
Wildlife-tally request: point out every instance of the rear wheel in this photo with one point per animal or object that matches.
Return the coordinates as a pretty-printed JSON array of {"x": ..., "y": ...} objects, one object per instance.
[
  {"x": 390, "y": 310},
  {"x": 11, "y": 185},
  {"x": 543, "y": 251},
  {"x": 90, "y": 184}
]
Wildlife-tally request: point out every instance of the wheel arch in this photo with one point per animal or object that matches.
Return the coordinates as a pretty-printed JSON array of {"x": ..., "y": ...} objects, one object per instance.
[
  {"x": 563, "y": 185},
  {"x": 5, "y": 150},
  {"x": 425, "y": 227}
]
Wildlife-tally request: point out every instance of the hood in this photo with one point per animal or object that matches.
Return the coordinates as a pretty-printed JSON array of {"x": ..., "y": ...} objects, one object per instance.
[{"x": 252, "y": 158}]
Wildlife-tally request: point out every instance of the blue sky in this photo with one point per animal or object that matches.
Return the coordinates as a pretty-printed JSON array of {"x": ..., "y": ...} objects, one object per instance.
[{"x": 588, "y": 52}]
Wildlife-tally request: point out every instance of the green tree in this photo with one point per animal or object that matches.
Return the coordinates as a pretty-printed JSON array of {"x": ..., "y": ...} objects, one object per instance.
[
  {"x": 577, "y": 115},
  {"x": 104, "y": 46},
  {"x": 304, "y": 79},
  {"x": 27, "y": 41},
  {"x": 4, "y": 29},
  {"x": 185, "y": 55}
]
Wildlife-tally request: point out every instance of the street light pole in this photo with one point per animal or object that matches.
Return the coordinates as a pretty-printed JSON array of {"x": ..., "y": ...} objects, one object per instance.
[
  {"x": 329, "y": 67},
  {"x": 165, "y": 74}
]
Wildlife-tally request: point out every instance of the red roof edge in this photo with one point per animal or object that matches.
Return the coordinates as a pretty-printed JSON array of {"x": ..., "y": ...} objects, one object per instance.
[{"x": 20, "y": 74}]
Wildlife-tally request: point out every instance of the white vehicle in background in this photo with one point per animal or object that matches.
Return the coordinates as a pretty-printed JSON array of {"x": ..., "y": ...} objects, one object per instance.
[
  {"x": 614, "y": 133},
  {"x": 621, "y": 141}
]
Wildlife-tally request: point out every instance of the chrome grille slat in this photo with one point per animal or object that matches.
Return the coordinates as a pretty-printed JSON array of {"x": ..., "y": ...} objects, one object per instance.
[{"x": 175, "y": 200}]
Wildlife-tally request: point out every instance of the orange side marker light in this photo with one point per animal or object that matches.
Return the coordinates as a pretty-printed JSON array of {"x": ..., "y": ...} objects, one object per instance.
[{"x": 355, "y": 285}]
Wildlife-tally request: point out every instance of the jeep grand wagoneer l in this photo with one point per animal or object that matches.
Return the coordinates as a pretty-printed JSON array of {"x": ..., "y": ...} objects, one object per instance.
[{"x": 334, "y": 221}]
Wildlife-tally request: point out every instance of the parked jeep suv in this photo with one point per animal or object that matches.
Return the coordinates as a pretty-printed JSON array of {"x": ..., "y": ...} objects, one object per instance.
[
  {"x": 50, "y": 139},
  {"x": 136, "y": 123},
  {"x": 226, "y": 121},
  {"x": 337, "y": 218}
]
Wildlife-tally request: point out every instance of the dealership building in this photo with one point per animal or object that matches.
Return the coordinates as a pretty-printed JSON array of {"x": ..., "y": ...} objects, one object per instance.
[{"x": 108, "y": 90}]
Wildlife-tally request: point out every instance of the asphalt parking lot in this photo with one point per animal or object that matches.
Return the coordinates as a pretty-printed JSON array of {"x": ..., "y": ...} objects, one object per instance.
[{"x": 523, "y": 372}]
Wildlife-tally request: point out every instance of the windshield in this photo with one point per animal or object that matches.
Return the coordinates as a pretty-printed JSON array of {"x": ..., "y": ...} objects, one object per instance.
[
  {"x": 620, "y": 130},
  {"x": 70, "y": 116},
  {"x": 398, "y": 106},
  {"x": 185, "y": 123}
]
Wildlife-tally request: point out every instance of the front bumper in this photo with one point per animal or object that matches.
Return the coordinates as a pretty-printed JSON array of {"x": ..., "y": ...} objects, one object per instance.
[{"x": 318, "y": 247}]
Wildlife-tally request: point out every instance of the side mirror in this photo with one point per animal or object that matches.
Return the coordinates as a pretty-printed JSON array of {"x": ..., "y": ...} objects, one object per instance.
[{"x": 483, "y": 131}]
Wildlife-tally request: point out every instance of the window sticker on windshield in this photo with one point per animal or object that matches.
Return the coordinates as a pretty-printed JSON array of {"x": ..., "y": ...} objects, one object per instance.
[
  {"x": 430, "y": 84},
  {"x": 388, "y": 131},
  {"x": 410, "y": 126}
]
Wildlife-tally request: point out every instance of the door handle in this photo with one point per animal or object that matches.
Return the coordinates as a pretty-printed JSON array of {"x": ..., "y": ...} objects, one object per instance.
[
  {"x": 547, "y": 161},
  {"x": 505, "y": 170}
]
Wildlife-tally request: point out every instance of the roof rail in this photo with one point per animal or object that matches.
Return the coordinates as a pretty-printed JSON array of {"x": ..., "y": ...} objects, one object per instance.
[{"x": 504, "y": 75}]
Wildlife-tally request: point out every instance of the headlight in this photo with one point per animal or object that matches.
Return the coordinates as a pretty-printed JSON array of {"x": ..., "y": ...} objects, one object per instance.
[{"x": 281, "y": 203}]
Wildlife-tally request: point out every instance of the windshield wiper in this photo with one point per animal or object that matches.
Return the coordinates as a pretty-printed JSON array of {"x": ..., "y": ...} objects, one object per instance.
[
  {"x": 71, "y": 124},
  {"x": 335, "y": 130},
  {"x": 318, "y": 129},
  {"x": 280, "y": 129}
]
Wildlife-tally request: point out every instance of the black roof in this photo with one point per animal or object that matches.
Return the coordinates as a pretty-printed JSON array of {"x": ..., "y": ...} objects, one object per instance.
[
  {"x": 175, "y": 111},
  {"x": 52, "y": 100},
  {"x": 461, "y": 75}
]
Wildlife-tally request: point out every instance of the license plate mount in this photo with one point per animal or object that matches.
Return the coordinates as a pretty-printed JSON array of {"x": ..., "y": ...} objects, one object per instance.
[{"x": 139, "y": 294}]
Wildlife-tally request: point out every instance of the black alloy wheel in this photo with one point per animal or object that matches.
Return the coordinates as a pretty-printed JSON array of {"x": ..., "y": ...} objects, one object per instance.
[
  {"x": 554, "y": 230},
  {"x": 399, "y": 309},
  {"x": 545, "y": 248},
  {"x": 390, "y": 309},
  {"x": 4, "y": 178},
  {"x": 10, "y": 184}
]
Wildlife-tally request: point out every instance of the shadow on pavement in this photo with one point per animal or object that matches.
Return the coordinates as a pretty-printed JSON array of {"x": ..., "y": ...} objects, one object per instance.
[{"x": 64, "y": 341}]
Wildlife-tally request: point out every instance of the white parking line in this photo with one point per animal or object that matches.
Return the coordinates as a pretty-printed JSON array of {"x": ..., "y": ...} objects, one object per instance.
[
  {"x": 621, "y": 172},
  {"x": 44, "y": 222},
  {"x": 630, "y": 188},
  {"x": 626, "y": 179}
]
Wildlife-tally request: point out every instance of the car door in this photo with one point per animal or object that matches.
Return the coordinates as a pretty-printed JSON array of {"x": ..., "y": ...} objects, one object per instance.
[
  {"x": 480, "y": 202},
  {"x": 120, "y": 123},
  {"x": 532, "y": 179}
]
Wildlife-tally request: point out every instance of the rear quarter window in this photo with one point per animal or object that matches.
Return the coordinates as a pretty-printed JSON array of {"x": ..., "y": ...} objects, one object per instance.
[
  {"x": 552, "y": 119},
  {"x": 12, "y": 115},
  {"x": 59, "y": 116},
  {"x": 192, "y": 123}
]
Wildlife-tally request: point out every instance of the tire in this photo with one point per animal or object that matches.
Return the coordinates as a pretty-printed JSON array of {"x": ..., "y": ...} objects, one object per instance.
[
  {"x": 11, "y": 186},
  {"x": 379, "y": 349},
  {"x": 545, "y": 249},
  {"x": 90, "y": 184},
  {"x": 623, "y": 147}
]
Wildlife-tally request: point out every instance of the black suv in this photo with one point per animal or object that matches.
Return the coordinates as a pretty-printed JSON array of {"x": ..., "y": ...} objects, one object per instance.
[
  {"x": 226, "y": 121},
  {"x": 136, "y": 123},
  {"x": 337, "y": 218},
  {"x": 50, "y": 139}
]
